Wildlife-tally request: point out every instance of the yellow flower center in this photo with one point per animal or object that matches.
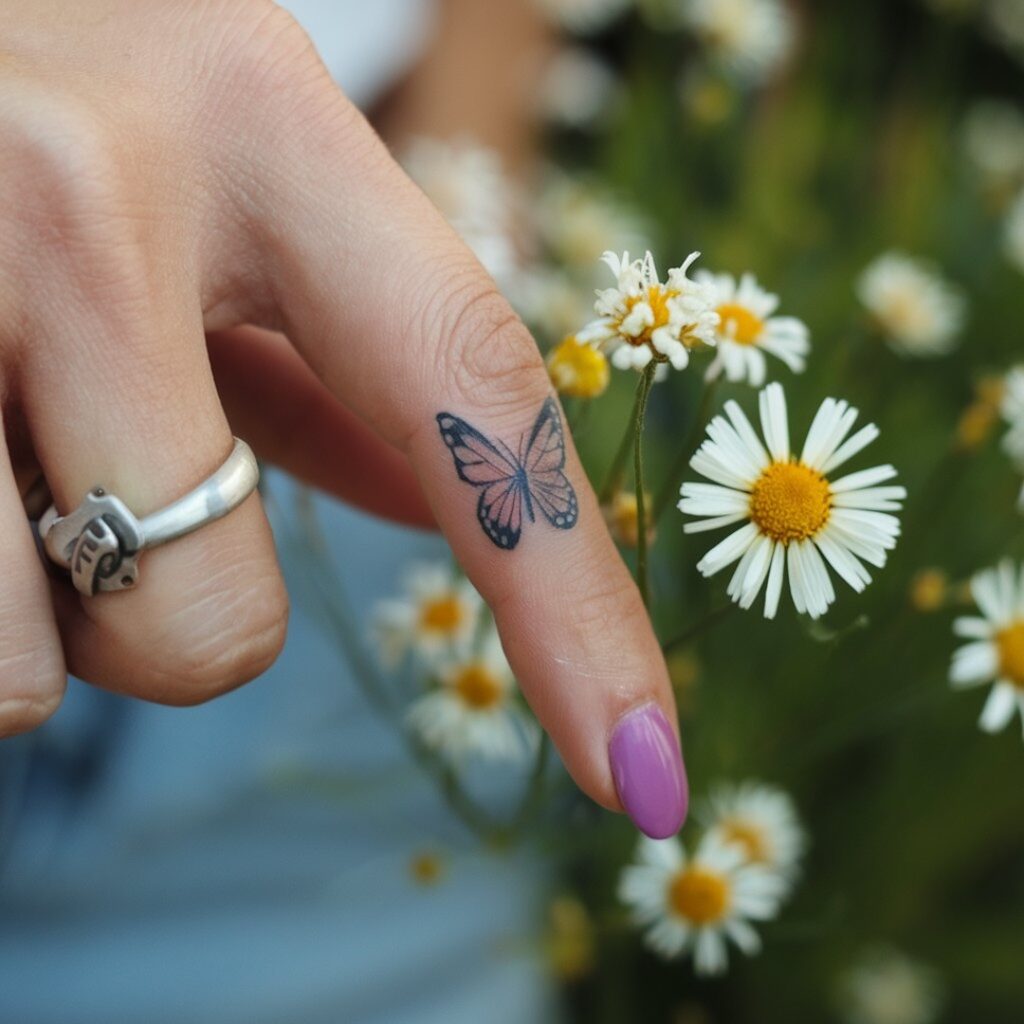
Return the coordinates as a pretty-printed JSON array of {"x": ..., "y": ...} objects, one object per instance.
[
  {"x": 905, "y": 314},
  {"x": 442, "y": 614},
  {"x": 657, "y": 297},
  {"x": 570, "y": 943},
  {"x": 928, "y": 590},
  {"x": 740, "y": 324},
  {"x": 1010, "y": 642},
  {"x": 576, "y": 370},
  {"x": 426, "y": 868},
  {"x": 790, "y": 501},
  {"x": 750, "y": 838},
  {"x": 976, "y": 424},
  {"x": 699, "y": 896},
  {"x": 623, "y": 520},
  {"x": 477, "y": 686}
]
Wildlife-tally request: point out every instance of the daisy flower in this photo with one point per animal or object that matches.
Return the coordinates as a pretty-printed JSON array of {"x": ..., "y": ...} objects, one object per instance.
[
  {"x": 548, "y": 300},
  {"x": 1005, "y": 20},
  {"x": 993, "y": 138},
  {"x": 762, "y": 821},
  {"x": 919, "y": 312},
  {"x": 578, "y": 219},
  {"x": 642, "y": 320},
  {"x": 747, "y": 329},
  {"x": 583, "y": 16},
  {"x": 468, "y": 185},
  {"x": 929, "y": 590},
  {"x": 995, "y": 653},
  {"x": 981, "y": 414},
  {"x": 887, "y": 987},
  {"x": 577, "y": 88},
  {"x": 438, "y": 612},
  {"x": 1012, "y": 408},
  {"x": 1013, "y": 233},
  {"x": 570, "y": 941},
  {"x": 794, "y": 518},
  {"x": 694, "y": 905},
  {"x": 752, "y": 38},
  {"x": 474, "y": 709},
  {"x": 623, "y": 519},
  {"x": 578, "y": 370},
  {"x": 707, "y": 98}
]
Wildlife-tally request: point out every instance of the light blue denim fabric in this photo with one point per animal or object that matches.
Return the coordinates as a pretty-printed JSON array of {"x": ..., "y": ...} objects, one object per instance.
[{"x": 156, "y": 867}]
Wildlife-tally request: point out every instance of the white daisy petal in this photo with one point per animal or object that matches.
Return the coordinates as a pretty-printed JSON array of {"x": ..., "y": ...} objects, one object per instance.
[
  {"x": 797, "y": 584},
  {"x": 734, "y": 589},
  {"x": 744, "y": 936},
  {"x": 709, "y": 462},
  {"x": 849, "y": 448},
  {"x": 727, "y": 551},
  {"x": 823, "y": 424},
  {"x": 878, "y": 499},
  {"x": 841, "y": 424},
  {"x": 972, "y": 627},
  {"x": 863, "y": 479},
  {"x": 774, "y": 421},
  {"x": 709, "y": 956},
  {"x": 775, "y": 577},
  {"x": 845, "y": 563},
  {"x": 999, "y": 708},
  {"x": 974, "y": 663},
  {"x": 756, "y": 573},
  {"x": 715, "y": 523}
]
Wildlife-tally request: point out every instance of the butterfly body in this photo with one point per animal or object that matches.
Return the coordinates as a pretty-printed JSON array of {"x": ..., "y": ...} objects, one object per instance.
[{"x": 509, "y": 483}]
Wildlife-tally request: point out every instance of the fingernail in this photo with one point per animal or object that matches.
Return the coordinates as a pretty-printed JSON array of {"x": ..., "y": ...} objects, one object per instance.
[{"x": 647, "y": 766}]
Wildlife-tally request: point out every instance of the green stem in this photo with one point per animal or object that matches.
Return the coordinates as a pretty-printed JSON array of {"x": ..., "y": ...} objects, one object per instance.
[
  {"x": 534, "y": 794},
  {"x": 346, "y": 634},
  {"x": 578, "y": 417},
  {"x": 643, "y": 391},
  {"x": 712, "y": 618},
  {"x": 670, "y": 489},
  {"x": 616, "y": 471}
]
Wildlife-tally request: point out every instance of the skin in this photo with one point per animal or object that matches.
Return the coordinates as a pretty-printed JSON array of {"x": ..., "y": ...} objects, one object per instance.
[{"x": 200, "y": 235}]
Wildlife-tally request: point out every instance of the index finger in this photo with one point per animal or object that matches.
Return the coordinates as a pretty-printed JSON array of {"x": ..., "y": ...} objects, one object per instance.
[{"x": 404, "y": 326}]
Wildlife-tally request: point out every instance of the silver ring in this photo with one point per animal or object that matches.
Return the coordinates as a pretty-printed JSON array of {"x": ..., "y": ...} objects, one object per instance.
[{"x": 100, "y": 542}]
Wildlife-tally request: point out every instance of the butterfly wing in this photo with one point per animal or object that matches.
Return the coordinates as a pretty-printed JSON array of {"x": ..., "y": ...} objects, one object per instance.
[
  {"x": 497, "y": 473},
  {"x": 543, "y": 465},
  {"x": 500, "y": 511}
]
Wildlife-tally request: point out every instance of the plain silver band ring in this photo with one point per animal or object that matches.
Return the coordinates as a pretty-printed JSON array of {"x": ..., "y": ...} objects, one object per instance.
[{"x": 100, "y": 541}]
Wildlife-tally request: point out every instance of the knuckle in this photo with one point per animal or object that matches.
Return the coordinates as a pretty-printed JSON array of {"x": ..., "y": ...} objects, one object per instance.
[
  {"x": 65, "y": 202},
  {"x": 56, "y": 154},
  {"x": 487, "y": 355},
  {"x": 273, "y": 104},
  {"x": 266, "y": 55}
]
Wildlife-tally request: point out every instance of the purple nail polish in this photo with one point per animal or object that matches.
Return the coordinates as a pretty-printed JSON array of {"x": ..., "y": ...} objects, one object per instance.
[{"x": 647, "y": 766}]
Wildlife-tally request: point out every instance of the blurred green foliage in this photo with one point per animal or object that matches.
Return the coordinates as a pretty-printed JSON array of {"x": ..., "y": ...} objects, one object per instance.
[{"x": 916, "y": 818}]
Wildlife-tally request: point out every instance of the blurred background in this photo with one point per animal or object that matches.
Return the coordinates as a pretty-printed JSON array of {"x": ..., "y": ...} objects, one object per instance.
[{"x": 308, "y": 849}]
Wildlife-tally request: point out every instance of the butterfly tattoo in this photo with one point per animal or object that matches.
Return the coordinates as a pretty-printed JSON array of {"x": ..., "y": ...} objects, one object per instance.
[{"x": 511, "y": 483}]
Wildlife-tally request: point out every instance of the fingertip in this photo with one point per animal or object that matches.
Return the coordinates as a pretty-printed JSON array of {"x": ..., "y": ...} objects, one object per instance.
[{"x": 22, "y": 714}]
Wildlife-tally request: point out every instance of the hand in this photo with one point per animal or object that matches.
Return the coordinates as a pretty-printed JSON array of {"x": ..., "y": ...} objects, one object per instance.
[{"x": 176, "y": 180}]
